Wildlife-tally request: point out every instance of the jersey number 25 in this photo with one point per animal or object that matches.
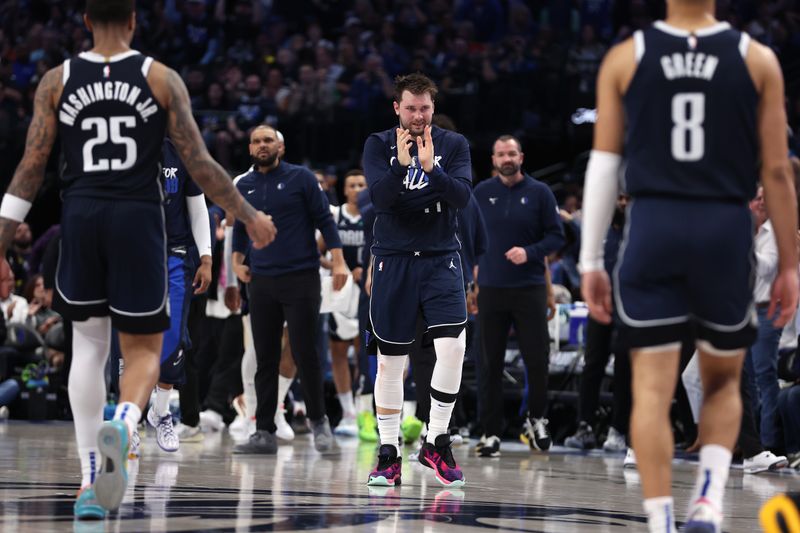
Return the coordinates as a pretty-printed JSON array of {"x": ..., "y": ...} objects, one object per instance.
[{"x": 102, "y": 127}]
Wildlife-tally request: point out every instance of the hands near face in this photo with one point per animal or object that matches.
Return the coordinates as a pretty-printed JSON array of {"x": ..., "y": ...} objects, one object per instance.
[
  {"x": 403, "y": 147},
  {"x": 424, "y": 148}
]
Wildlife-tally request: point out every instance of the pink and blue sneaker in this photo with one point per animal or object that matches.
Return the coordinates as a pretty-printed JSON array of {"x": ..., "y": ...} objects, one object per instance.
[
  {"x": 387, "y": 473},
  {"x": 439, "y": 457}
]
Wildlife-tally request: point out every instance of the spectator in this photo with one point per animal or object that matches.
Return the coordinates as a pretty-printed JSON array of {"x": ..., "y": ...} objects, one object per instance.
[
  {"x": 14, "y": 308},
  {"x": 761, "y": 364}
]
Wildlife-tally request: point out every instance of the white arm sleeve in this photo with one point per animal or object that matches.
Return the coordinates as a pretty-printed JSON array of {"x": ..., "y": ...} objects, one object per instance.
[
  {"x": 227, "y": 258},
  {"x": 600, "y": 192},
  {"x": 201, "y": 229}
]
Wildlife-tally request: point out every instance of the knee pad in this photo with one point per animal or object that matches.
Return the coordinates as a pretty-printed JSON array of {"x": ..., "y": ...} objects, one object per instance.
[
  {"x": 450, "y": 350},
  {"x": 389, "y": 381},
  {"x": 449, "y": 361}
]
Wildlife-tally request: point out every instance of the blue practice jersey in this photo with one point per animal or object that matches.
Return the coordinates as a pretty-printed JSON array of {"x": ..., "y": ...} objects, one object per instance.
[
  {"x": 111, "y": 128},
  {"x": 177, "y": 186},
  {"x": 691, "y": 115}
]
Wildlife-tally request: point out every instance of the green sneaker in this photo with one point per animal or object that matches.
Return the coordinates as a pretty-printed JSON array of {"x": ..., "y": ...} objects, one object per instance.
[
  {"x": 411, "y": 428},
  {"x": 86, "y": 506},
  {"x": 367, "y": 427}
]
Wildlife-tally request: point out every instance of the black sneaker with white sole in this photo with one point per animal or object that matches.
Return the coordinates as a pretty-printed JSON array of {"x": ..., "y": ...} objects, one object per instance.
[
  {"x": 490, "y": 448},
  {"x": 536, "y": 435}
]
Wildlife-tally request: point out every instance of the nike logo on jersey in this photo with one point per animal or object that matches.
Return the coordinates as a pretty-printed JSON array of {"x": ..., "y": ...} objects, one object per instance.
[{"x": 251, "y": 191}]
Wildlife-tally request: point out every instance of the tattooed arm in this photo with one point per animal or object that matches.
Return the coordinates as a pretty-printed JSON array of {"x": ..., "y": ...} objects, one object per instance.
[
  {"x": 206, "y": 172},
  {"x": 41, "y": 134}
]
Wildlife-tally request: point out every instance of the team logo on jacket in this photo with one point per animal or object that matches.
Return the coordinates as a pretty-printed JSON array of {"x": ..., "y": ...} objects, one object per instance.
[
  {"x": 492, "y": 200},
  {"x": 281, "y": 186},
  {"x": 523, "y": 200}
]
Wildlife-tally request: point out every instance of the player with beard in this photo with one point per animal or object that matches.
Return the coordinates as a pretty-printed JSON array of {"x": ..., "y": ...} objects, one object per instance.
[
  {"x": 419, "y": 177},
  {"x": 284, "y": 283},
  {"x": 524, "y": 228}
]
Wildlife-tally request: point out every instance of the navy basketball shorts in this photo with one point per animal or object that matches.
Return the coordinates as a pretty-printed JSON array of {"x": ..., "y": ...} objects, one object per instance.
[
  {"x": 685, "y": 271},
  {"x": 113, "y": 262},
  {"x": 181, "y": 270},
  {"x": 402, "y": 285}
]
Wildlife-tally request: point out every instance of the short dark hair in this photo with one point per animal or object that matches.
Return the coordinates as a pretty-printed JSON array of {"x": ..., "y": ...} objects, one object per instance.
[
  {"x": 353, "y": 172},
  {"x": 416, "y": 83},
  {"x": 109, "y": 11},
  {"x": 506, "y": 138}
]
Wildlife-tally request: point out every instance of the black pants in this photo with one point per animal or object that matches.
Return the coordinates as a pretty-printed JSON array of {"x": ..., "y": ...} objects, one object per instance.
[
  {"x": 295, "y": 298},
  {"x": 599, "y": 339},
  {"x": 213, "y": 364},
  {"x": 526, "y": 309}
]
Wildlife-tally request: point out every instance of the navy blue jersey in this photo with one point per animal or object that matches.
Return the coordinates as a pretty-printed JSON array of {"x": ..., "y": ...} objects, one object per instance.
[
  {"x": 416, "y": 211},
  {"x": 177, "y": 187},
  {"x": 351, "y": 233},
  {"x": 525, "y": 215},
  {"x": 691, "y": 115},
  {"x": 111, "y": 128}
]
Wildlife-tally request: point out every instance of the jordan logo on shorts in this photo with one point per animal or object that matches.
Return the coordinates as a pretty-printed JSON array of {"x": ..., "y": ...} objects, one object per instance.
[{"x": 452, "y": 265}]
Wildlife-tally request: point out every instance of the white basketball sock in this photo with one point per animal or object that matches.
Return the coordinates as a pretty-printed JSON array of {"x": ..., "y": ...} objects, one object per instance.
[
  {"x": 283, "y": 387},
  {"x": 364, "y": 403},
  {"x": 445, "y": 383},
  {"x": 129, "y": 413},
  {"x": 660, "y": 514},
  {"x": 348, "y": 406},
  {"x": 91, "y": 341},
  {"x": 389, "y": 429},
  {"x": 712, "y": 474},
  {"x": 161, "y": 405}
]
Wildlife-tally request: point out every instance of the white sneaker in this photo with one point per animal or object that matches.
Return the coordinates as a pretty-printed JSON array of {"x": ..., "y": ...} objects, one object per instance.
[
  {"x": 133, "y": 448},
  {"x": 283, "y": 430},
  {"x": 240, "y": 426},
  {"x": 764, "y": 461},
  {"x": 615, "y": 441},
  {"x": 189, "y": 433},
  {"x": 347, "y": 427},
  {"x": 211, "y": 421},
  {"x": 703, "y": 517},
  {"x": 630, "y": 459},
  {"x": 166, "y": 438}
]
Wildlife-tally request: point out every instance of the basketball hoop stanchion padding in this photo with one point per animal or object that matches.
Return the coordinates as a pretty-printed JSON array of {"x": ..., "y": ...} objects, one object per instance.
[{"x": 780, "y": 514}]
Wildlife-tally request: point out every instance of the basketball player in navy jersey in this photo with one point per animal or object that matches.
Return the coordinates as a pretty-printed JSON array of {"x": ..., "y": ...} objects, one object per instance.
[
  {"x": 418, "y": 177},
  {"x": 112, "y": 107},
  {"x": 188, "y": 266},
  {"x": 344, "y": 329},
  {"x": 695, "y": 106}
]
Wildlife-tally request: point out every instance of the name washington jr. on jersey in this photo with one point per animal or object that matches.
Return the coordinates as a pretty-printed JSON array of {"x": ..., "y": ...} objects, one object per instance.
[{"x": 120, "y": 91}]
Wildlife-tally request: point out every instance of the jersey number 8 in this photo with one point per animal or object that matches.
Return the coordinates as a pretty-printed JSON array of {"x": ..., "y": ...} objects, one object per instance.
[
  {"x": 103, "y": 126},
  {"x": 688, "y": 137}
]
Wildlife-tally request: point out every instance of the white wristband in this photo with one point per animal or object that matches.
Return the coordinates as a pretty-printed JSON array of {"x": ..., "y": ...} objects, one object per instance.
[{"x": 14, "y": 208}]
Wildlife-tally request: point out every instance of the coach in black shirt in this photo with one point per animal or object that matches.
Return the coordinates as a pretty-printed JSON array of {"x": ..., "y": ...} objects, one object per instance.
[{"x": 284, "y": 282}]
